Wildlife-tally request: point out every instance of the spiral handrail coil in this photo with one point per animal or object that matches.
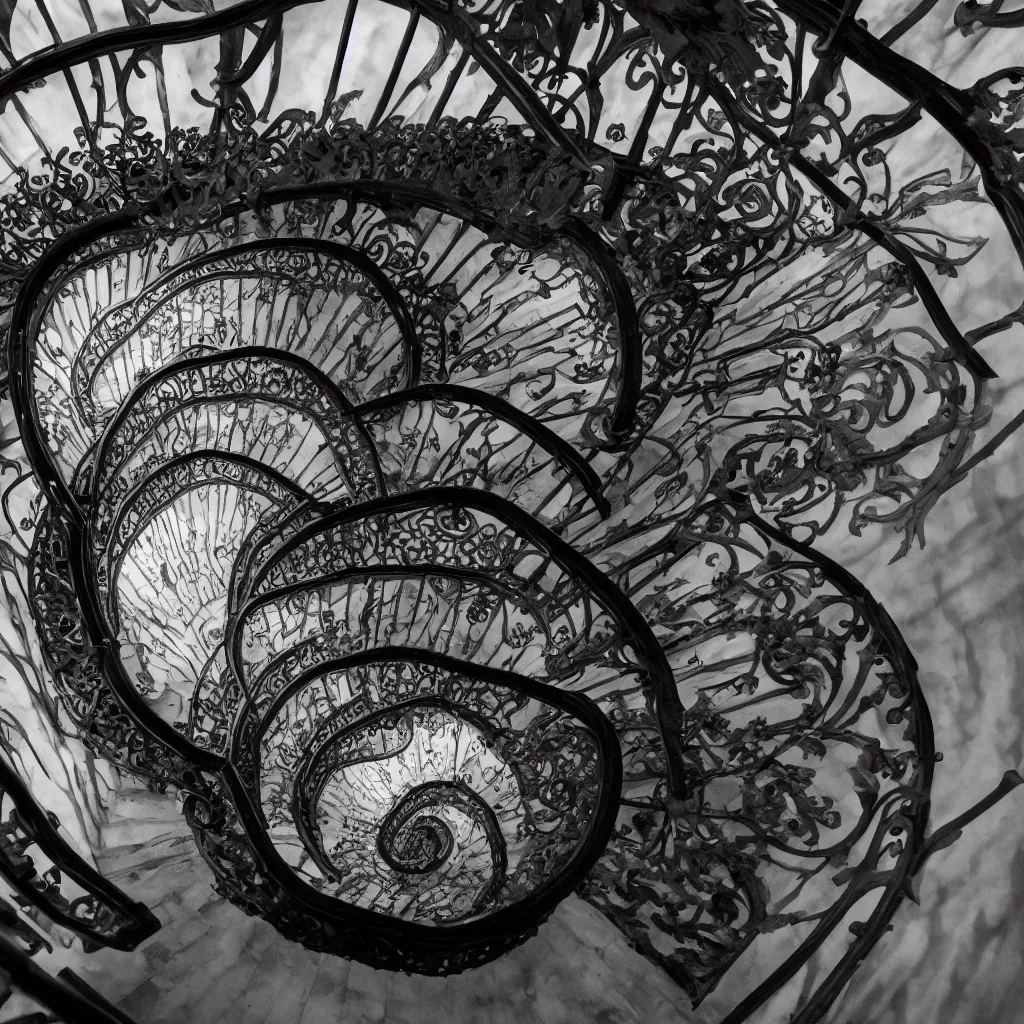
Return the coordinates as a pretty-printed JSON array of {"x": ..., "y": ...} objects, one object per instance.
[
  {"x": 686, "y": 873},
  {"x": 417, "y": 860},
  {"x": 48, "y": 275},
  {"x": 204, "y": 369},
  {"x": 98, "y": 345},
  {"x": 669, "y": 711},
  {"x": 114, "y": 448},
  {"x": 435, "y": 950}
]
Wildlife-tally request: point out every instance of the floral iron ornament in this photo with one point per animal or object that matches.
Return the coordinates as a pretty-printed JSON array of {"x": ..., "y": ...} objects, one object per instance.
[{"x": 430, "y": 478}]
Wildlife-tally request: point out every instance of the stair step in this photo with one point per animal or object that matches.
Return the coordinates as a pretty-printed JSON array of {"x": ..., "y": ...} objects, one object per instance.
[
  {"x": 253, "y": 1006},
  {"x": 120, "y": 862},
  {"x": 327, "y": 996},
  {"x": 133, "y": 804},
  {"x": 291, "y": 998},
  {"x": 117, "y": 974},
  {"x": 197, "y": 966},
  {"x": 258, "y": 957},
  {"x": 136, "y": 833}
]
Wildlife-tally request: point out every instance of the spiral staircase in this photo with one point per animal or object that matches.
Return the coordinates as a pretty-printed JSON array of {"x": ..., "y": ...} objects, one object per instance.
[
  {"x": 421, "y": 524},
  {"x": 353, "y": 590}
]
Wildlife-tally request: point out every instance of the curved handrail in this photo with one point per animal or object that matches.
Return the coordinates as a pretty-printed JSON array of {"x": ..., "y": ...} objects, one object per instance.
[{"x": 129, "y": 921}]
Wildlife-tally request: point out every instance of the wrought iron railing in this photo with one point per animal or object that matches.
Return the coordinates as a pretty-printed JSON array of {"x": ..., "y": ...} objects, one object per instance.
[{"x": 422, "y": 501}]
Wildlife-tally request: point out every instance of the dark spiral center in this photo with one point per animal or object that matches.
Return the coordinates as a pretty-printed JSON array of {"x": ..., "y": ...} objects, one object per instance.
[
  {"x": 415, "y": 837},
  {"x": 421, "y": 846}
]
